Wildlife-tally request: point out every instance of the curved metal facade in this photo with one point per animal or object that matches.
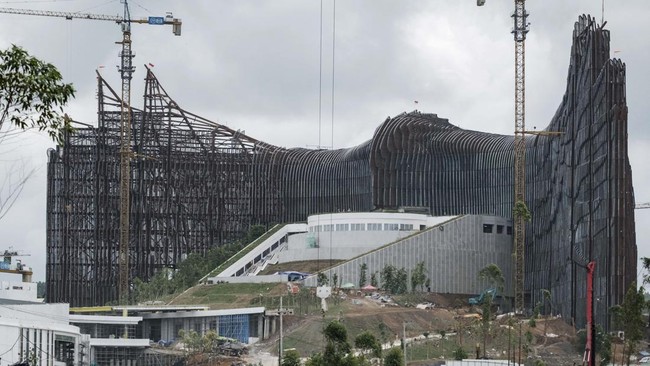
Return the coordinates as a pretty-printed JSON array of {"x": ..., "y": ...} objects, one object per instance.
[{"x": 197, "y": 184}]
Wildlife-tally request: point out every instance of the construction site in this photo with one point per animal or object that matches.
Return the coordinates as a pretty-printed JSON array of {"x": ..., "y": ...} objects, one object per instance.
[
  {"x": 150, "y": 184},
  {"x": 196, "y": 184}
]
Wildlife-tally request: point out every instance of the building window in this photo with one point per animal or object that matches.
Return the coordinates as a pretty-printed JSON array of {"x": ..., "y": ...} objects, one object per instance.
[
  {"x": 391, "y": 227},
  {"x": 342, "y": 227},
  {"x": 509, "y": 230},
  {"x": 406, "y": 227},
  {"x": 499, "y": 229},
  {"x": 487, "y": 228},
  {"x": 374, "y": 227},
  {"x": 358, "y": 227},
  {"x": 327, "y": 228}
]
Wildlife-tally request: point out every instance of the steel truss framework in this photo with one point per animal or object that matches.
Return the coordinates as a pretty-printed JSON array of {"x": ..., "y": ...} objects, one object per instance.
[{"x": 196, "y": 184}]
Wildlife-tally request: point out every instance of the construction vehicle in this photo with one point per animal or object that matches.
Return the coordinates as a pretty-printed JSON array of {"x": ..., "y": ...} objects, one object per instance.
[
  {"x": 478, "y": 300},
  {"x": 126, "y": 70}
]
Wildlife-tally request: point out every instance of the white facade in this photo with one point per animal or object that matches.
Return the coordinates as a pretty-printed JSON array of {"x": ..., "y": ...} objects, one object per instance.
[
  {"x": 23, "y": 291},
  {"x": 112, "y": 338},
  {"x": 338, "y": 236},
  {"x": 40, "y": 333}
]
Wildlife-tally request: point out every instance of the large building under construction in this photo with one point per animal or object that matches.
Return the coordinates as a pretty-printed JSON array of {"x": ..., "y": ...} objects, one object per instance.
[{"x": 196, "y": 184}]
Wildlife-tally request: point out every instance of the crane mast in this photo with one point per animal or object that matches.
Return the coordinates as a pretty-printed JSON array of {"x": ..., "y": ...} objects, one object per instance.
[
  {"x": 519, "y": 31},
  {"x": 126, "y": 70}
]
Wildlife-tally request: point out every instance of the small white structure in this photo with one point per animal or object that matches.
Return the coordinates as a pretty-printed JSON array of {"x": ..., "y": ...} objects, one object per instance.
[
  {"x": 38, "y": 333},
  {"x": 112, "y": 338}
]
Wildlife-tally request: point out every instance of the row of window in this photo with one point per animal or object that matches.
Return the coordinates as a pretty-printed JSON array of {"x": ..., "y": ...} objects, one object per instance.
[
  {"x": 361, "y": 227},
  {"x": 489, "y": 229}
]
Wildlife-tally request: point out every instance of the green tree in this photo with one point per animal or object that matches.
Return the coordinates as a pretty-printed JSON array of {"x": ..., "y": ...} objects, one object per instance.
[
  {"x": 321, "y": 279},
  {"x": 363, "y": 270},
  {"x": 32, "y": 94},
  {"x": 401, "y": 281},
  {"x": 368, "y": 344},
  {"x": 388, "y": 278},
  {"x": 491, "y": 273},
  {"x": 291, "y": 358},
  {"x": 629, "y": 317},
  {"x": 373, "y": 280},
  {"x": 395, "y": 357},
  {"x": 419, "y": 276},
  {"x": 337, "y": 349},
  {"x": 521, "y": 210}
]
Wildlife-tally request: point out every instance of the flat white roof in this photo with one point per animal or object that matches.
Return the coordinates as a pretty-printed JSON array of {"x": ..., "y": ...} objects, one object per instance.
[
  {"x": 204, "y": 313},
  {"x": 104, "y": 319},
  {"x": 118, "y": 342},
  {"x": 145, "y": 308}
]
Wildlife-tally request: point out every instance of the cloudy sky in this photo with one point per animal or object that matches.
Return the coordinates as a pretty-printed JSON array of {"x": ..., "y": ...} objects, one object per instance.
[{"x": 254, "y": 65}]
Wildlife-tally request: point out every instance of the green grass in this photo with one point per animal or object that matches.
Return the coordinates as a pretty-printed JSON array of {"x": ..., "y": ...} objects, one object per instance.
[
  {"x": 230, "y": 295},
  {"x": 244, "y": 251}
]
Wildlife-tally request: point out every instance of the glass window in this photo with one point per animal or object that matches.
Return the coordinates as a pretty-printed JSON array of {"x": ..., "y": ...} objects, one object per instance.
[
  {"x": 391, "y": 227},
  {"x": 488, "y": 228},
  {"x": 499, "y": 229},
  {"x": 509, "y": 230},
  {"x": 406, "y": 227}
]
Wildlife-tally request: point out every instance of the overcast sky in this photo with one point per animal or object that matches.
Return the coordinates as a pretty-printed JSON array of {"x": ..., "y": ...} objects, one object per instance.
[{"x": 254, "y": 65}]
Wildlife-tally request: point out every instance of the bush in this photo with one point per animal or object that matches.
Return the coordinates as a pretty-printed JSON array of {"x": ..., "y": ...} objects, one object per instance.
[{"x": 459, "y": 353}]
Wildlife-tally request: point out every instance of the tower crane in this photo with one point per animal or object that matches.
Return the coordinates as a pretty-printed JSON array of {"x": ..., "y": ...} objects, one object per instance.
[
  {"x": 126, "y": 70},
  {"x": 520, "y": 29}
]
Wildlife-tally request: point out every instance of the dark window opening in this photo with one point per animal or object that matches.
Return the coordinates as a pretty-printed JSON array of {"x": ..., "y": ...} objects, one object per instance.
[
  {"x": 509, "y": 230},
  {"x": 499, "y": 229},
  {"x": 487, "y": 228}
]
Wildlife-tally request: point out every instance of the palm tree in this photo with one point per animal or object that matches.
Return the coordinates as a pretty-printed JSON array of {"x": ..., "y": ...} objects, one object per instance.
[{"x": 492, "y": 273}]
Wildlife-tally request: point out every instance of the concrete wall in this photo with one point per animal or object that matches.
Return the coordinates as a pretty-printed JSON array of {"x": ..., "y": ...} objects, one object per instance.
[{"x": 453, "y": 254}]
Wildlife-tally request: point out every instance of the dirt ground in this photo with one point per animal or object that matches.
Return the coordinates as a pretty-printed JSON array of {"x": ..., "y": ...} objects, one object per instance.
[{"x": 553, "y": 339}]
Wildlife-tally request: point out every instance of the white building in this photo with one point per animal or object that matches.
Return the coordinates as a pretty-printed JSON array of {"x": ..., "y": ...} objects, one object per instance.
[{"x": 36, "y": 332}]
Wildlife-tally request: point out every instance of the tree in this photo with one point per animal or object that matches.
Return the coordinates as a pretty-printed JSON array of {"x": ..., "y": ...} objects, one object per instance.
[
  {"x": 388, "y": 277},
  {"x": 521, "y": 211},
  {"x": 363, "y": 275},
  {"x": 368, "y": 344},
  {"x": 337, "y": 349},
  {"x": 321, "y": 279},
  {"x": 629, "y": 317},
  {"x": 291, "y": 358},
  {"x": 373, "y": 280},
  {"x": 492, "y": 273},
  {"x": 419, "y": 276},
  {"x": 395, "y": 357},
  {"x": 32, "y": 94},
  {"x": 401, "y": 281}
]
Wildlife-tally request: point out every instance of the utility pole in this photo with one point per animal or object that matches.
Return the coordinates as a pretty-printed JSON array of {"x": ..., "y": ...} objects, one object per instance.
[
  {"x": 281, "y": 312},
  {"x": 404, "y": 341}
]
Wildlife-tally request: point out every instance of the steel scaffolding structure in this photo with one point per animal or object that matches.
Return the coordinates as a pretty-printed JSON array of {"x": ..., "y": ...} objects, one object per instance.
[{"x": 196, "y": 184}]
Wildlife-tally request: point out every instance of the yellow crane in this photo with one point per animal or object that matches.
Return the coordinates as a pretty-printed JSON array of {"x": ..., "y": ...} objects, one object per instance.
[
  {"x": 520, "y": 29},
  {"x": 126, "y": 71}
]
